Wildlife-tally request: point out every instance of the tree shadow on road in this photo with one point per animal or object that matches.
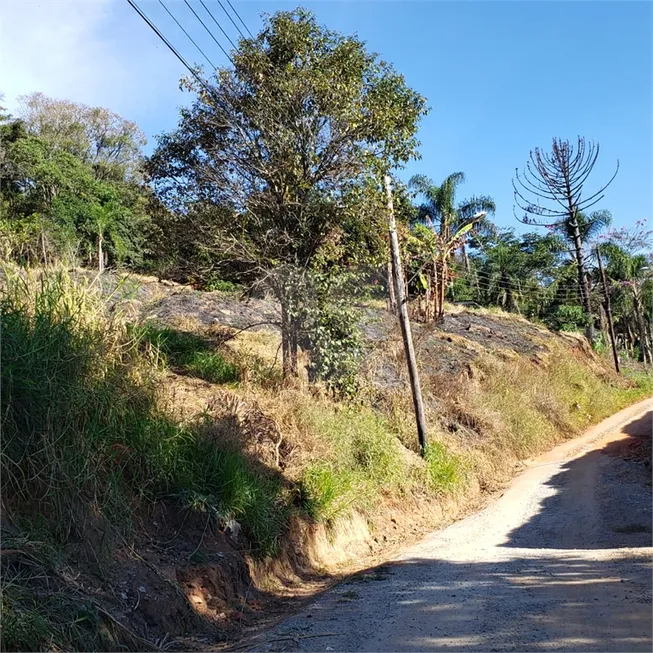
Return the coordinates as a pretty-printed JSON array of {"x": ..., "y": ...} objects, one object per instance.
[
  {"x": 560, "y": 603},
  {"x": 609, "y": 512}
]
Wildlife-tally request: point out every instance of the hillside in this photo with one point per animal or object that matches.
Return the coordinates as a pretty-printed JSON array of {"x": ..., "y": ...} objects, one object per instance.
[{"x": 163, "y": 487}]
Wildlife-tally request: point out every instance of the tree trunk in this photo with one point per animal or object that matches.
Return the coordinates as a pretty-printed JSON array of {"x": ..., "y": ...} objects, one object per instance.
[
  {"x": 631, "y": 339},
  {"x": 392, "y": 299},
  {"x": 289, "y": 343},
  {"x": 463, "y": 252},
  {"x": 440, "y": 289},
  {"x": 643, "y": 337},
  {"x": 100, "y": 253},
  {"x": 294, "y": 345},
  {"x": 45, "y": 254},
  {"x": 582, "y": 276}
]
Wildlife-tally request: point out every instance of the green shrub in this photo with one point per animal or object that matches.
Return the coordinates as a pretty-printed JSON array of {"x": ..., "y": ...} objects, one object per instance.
[
  {"x": 221, "y": 285},
  {"x": 445, "y": 470},
  {"x": 567, "y": 318},
  {"x": 191, "y": 354}
]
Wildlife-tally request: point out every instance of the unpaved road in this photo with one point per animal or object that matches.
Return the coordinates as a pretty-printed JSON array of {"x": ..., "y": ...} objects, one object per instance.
[{"x": 562, "y": 561}]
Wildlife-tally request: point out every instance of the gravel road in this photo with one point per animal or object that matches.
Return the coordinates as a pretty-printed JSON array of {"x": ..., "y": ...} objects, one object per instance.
[{"x": 562, "y": 561}]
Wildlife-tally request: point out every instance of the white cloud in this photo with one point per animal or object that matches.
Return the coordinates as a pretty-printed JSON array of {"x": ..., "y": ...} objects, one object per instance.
[
  {"x": 94, "y": 51},
  {"x": 53, "y": 47}
]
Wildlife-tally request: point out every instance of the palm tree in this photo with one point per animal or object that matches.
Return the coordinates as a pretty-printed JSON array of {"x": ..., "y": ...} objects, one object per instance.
[
  {"x": 589, "y": 227},
  {"x": 629, "y": 272},
  {"x": 452, "y": 225},
  {"x": 503, "y": 267}
]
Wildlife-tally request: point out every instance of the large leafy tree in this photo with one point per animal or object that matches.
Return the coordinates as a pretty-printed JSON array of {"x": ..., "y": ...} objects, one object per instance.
[
  {"x": 282, "y": 155},
  {"x": 57, "y": 198},
  {"x": 108, "y": 143},
  {"x": 451, "y": 223}
]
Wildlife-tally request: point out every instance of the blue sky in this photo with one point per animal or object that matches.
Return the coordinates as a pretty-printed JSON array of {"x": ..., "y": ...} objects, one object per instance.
[{"x": 500, "y": 77}]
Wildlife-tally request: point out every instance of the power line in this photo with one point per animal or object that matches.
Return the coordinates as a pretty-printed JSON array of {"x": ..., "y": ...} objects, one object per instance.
[
  {"x": 233, "y": 22},
  {"x": 239, "y": 18},
  {"x": 506, "y": 284},
  {"x": 469, "y": 276},
  {"x": 190, "y": 38},
  {"x": 226, "y": 54},
  {"x": 233, "y": 45},
  {"x": 172, "y": 48}
]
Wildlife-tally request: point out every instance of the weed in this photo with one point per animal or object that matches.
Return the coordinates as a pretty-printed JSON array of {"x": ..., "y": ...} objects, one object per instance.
[
  {"x": 445, "y": 470},
  {"x": 190, "y": 353},
  {"x": 326, "y": 493}
]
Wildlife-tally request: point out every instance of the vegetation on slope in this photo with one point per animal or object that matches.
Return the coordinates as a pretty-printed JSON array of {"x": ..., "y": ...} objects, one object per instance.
[
  {"x": 88, "y": 441},
  {"x": 268, "y": 188}
]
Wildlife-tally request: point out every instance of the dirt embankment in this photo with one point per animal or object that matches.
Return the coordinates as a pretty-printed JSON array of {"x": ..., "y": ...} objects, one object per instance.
[
  {"x": 498, "y": 391},
  {"x": 561, "y": 561}
]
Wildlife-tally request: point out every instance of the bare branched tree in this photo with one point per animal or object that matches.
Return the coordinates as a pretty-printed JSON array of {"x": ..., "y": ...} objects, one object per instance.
[{"x": 551, "y": 193}]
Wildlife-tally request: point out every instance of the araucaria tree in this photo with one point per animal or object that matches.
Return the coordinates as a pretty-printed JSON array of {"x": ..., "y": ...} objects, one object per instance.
[
  {"x": 277, "y": 155},
  {"x": 551, "y": 193}
]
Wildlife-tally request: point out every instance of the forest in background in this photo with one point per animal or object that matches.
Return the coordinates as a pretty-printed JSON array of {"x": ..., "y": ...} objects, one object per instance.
[{"x": 271, "y": 183}]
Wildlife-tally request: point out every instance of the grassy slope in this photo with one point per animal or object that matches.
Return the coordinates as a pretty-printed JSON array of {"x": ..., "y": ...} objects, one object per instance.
[{"x": 102, "y": 421}]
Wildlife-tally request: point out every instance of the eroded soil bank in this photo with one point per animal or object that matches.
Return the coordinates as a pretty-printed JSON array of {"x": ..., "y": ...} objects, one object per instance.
[{"x": 562, "y": 561}]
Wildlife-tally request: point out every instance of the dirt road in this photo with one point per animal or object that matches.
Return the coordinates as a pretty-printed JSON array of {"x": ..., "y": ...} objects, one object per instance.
[{"x": 562, "y": 561}]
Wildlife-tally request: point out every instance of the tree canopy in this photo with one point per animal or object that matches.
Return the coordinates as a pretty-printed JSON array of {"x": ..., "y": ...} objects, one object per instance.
[
  {"x": 284, "y": 153},
  {"x": 69, "y": 179}
]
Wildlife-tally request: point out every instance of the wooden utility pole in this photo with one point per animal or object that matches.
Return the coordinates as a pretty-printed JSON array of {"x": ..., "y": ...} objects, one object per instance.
[
  {"x": 608, "y": 309},
  {"x": 402, "y": 305},
  {"x": 392, "y": 300}
]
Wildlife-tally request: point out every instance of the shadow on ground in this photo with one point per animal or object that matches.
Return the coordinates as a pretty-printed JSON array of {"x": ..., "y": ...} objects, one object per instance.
[
  {"x": 557, "y": 603},
  {"x": 608, "y": 512}
]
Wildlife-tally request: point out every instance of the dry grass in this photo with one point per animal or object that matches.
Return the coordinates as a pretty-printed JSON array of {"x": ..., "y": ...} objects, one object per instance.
[{"x": 270, "y": 453}]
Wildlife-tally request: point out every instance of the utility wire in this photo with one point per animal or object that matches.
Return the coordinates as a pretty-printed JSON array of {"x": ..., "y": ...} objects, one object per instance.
[
  {"x": 226, "y": 54},
  {"x": 172, "y": 48},
  {"x": 239, "y": 18},
  {"x": 190, "y": 38},
  {"x": 233, "y": 22},
  {"x": 533, "y": 293},
  {"x": 470, "y": 276},
  {"x": 233, "y": 45},
  {"x": 539, "y": 292},
  {"x": 486, "y": 275}
]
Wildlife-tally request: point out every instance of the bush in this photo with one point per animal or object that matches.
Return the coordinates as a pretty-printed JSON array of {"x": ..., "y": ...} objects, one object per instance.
[
  {"x": 364, "y": 462},
  {"x": 445, "y": 470},
  {"x": 567, "y": 318},
  {"x": 327, "y": 493},
  {"x": 82, "y": 431},
  {"x": 191, "y": 354},
  {"x": 214, "y": 283}
]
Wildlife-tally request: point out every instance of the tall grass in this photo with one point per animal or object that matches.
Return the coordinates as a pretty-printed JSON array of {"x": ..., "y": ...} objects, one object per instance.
[
  {"x": 366, "y": 463},
  {"x": 82, "y": 433},
  {"x": 190, "y": 354},
  {"x": 362, "y": 463}
]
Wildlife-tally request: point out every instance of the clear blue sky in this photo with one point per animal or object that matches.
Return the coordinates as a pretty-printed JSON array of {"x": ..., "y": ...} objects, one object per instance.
[{"x": 500, "y": 77}]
